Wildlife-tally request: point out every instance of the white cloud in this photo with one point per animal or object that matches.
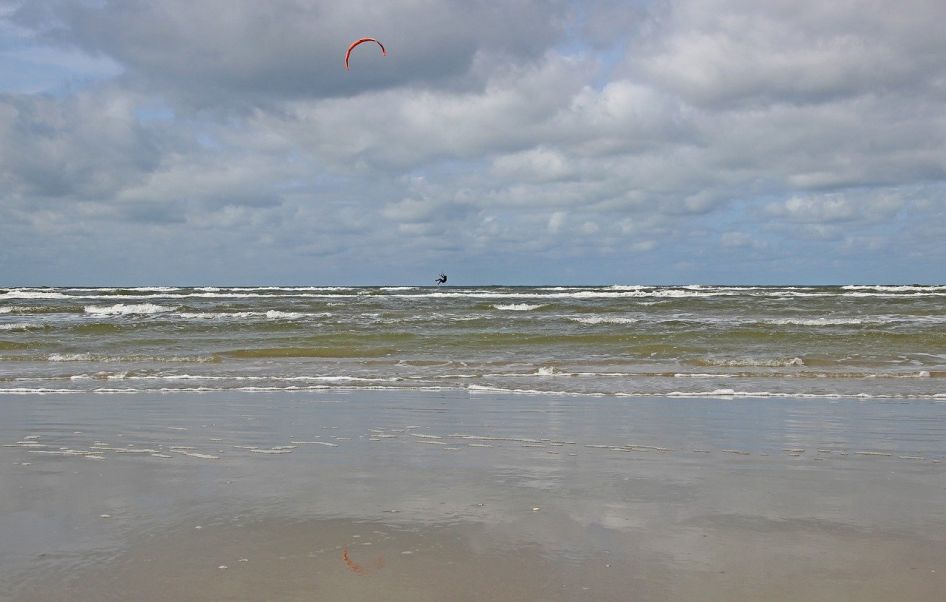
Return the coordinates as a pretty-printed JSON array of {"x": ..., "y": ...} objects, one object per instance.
[
  {"x": 837, "y": 208},
  {"x": 534, "y": 165},
  {"x": 720, "y": 52},
  {"x": 556, "y": 221}
]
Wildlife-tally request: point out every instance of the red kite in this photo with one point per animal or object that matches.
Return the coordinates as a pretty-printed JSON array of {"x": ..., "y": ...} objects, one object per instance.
[{"x": 356, "y": 42}]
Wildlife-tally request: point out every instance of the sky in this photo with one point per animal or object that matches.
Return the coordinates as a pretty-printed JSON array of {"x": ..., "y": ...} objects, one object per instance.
[{"x": 222, "y": 142}]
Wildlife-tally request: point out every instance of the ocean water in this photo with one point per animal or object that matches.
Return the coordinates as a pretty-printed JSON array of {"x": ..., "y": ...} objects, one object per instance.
[{"x": 861, "y": 341}]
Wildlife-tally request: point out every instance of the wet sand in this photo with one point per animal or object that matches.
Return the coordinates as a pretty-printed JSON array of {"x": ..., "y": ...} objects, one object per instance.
[{"x": 453, "y": 496}]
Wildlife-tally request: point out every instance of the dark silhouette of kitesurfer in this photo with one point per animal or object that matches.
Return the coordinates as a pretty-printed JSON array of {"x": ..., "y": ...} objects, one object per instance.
[{"x": 442, "y": 279}]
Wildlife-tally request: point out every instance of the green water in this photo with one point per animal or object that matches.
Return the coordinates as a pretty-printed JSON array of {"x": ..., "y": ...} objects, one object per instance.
[{"x": 866, "y": 341}]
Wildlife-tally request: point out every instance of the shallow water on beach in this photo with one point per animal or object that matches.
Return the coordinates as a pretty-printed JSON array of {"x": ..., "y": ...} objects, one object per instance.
[
  {"x": 409, "y": 495},
  {"x": 866, "y": 341}
]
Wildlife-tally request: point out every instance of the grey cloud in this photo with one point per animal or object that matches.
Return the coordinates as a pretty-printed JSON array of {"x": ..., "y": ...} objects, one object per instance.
[
  {"x": 87, "y": 146},
  {"x": 154, "y": 213},
  {"x": 233, "y": 51}
]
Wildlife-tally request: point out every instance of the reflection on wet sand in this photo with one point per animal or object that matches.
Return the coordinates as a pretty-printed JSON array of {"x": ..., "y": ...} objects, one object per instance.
[{"x": 432, "y": 497}]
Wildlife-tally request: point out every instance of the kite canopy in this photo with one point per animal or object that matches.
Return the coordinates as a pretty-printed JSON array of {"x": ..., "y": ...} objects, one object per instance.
[{"x": 362, "y": 41}]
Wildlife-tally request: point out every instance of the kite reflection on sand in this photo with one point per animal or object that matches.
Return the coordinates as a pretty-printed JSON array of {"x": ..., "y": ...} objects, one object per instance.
[{"x": 360, "y": 569}]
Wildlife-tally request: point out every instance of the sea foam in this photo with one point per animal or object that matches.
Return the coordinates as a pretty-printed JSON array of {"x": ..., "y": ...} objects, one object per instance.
[
  {"x": 28, "y": 294},
  {"x": 595, "y": 319},
  {"x": 22, "y": 326},
  {"x": 517, "y": 307},
  {"x": 122, "y": 309}
]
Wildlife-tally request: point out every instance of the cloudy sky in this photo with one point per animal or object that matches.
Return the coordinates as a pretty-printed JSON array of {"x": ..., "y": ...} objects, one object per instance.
[{"x": 522, "y": 142}]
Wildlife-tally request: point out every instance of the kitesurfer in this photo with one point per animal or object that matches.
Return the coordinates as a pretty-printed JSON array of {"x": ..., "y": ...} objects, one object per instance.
[{"x": 442, "y": 279}]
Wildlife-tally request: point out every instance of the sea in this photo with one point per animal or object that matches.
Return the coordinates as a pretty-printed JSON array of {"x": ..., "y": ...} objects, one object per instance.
[{"x": 853, "y": 341}]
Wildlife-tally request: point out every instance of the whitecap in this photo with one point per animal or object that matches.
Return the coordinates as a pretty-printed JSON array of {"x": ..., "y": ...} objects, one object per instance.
[
  {"x": 122, "y": 309},
  {"x": 517, "y": 307},
  {"x": 22, "y": 326},
  {"x": 822, "y": 321},
  {"x": 702, "y": 375},
  {"x": 759, "y": 363},
  {"x": 69, "y": 357},
  {"x": 284, "y": 315},
  {"x": 597, "y": 319},
  {"x": 492, "y": 389},
  {"x": 243, "y": 315},
  {"x": 38, "y": 391},
  {"x": 29, "y": 294},
  {"x": 894, "y": 288}
]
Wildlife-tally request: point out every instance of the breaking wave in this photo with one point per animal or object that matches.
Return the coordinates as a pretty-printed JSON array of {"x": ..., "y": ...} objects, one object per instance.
[
  {"x": 517, "y": 307},
  {"x": 121, "y": 309}
]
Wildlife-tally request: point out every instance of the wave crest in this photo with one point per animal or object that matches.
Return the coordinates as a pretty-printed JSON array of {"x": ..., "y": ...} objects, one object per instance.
[{"x": 122, "y": 309}]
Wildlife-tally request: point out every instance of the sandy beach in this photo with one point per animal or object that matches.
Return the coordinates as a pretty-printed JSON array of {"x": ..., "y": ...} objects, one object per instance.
[{"x": 452, "y": 495}]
